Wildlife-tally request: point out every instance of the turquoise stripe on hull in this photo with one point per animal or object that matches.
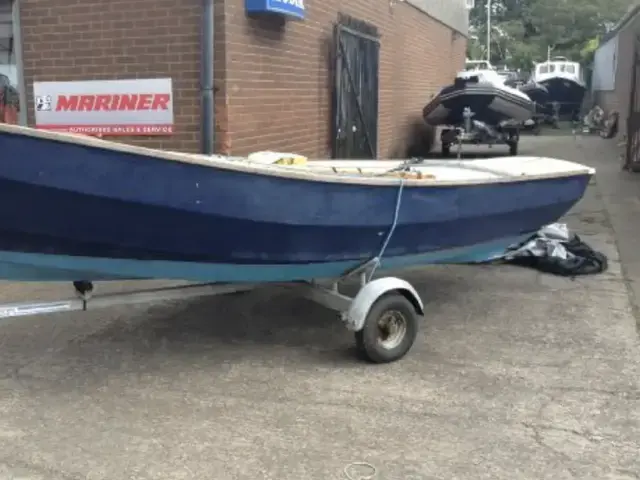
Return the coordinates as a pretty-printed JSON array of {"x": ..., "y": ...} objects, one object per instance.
[{"x": 38, "y": 267}]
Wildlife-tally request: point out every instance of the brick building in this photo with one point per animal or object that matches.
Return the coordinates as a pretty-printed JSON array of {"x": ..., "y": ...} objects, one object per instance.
[{"x": 275, "y": 78}]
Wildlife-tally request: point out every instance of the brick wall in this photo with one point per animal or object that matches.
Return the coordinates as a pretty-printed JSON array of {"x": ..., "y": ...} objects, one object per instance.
[
  {"x": 274, "y": 80},
  {"x": 279, "y": 79}
]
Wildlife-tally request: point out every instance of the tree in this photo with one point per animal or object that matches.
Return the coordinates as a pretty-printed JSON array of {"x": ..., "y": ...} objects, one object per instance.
[{"x": 522, "y": 30}]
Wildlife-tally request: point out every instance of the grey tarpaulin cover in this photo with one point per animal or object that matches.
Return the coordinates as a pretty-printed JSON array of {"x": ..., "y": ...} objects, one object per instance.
[{"x": 554, "y": 249}]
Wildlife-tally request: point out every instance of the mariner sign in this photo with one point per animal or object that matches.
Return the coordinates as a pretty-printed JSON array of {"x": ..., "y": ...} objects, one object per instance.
[
  {"x": 105, "y": 107},
  {"x": 289, "y": 8}
]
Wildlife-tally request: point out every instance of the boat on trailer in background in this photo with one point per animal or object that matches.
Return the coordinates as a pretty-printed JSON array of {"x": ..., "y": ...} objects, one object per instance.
[
  {"x": 479, "y": 108},
  {"x": 80, "y": 209},
  {"x": 565, "y": 84}
]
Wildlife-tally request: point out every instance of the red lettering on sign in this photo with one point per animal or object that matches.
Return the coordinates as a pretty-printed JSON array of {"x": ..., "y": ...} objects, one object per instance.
[
  {"x": 128, "y": 102},
  {"x": 87, "y": 102},
  {"x": 102, "y": 102},
  {"x": 113, "y": 102},
  {"x": 144, "y": 102},
  {"x": 161, "y": 101},
  {"x": 67, "y": 103}
]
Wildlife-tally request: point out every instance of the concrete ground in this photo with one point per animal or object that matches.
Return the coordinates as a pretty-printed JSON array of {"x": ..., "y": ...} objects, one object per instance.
[{"x": 516, "y": 375}]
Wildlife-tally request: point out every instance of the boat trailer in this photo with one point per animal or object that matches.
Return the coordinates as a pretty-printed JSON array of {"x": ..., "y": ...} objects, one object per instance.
[
  {"x": 384, "y": 315},
  {"x": 554, "y": 116},
  {"x": 478, "y": 133}
]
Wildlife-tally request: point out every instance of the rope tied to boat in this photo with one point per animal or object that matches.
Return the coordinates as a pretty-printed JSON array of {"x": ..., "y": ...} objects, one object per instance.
[
  {"x": 392, "y": 229},
  {"x": 404, "y": 166}
]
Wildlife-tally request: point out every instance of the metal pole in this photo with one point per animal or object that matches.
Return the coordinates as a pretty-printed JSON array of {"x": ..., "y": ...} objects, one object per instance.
[
  {"x": 208, "y": 122},
  {"x": 489, "y": 31},
  {"x": 17, "y": 45}
]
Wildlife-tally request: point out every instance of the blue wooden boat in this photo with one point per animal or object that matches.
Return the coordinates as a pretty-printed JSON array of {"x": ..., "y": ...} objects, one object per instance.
[{"x": 80, "y": 208}]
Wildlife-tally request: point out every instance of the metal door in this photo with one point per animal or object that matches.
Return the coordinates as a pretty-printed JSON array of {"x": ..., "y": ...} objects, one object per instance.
[
  {"x": 357, "y": 52},
  {"x": 632, "y": 157}
]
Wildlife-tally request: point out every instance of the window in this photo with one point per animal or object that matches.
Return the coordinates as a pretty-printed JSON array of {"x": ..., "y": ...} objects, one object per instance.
[
  {"x": 552, "y": 68},
  {"x": 543, "y": 69},
  {"x": 571, "y": 69},
  {"x": 10, "y": 77}
]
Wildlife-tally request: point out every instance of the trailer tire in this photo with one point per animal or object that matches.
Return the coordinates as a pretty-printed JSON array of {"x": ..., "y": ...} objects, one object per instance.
[{"x": 389, "y": 330}]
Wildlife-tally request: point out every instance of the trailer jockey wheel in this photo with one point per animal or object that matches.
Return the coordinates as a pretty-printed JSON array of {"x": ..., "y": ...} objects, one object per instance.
[
  {"x": 537, "y": 128},
  {"x": 512, "y": 141},
  {"x": 83, "y": 287}
]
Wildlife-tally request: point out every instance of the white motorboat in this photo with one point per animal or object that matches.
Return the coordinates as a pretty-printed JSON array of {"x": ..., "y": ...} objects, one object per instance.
[
  {"x": 564, "y": 82},
  {"x": 480, "y": 88}
]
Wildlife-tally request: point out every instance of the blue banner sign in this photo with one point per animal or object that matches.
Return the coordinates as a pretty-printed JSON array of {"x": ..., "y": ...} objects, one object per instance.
[{"x": 289, "y": 8}]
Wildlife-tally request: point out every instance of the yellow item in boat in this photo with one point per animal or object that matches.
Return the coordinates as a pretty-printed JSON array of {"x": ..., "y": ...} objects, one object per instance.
[
  {"x": 297, "y": 160},
  {"x": 277, "y": 158}
]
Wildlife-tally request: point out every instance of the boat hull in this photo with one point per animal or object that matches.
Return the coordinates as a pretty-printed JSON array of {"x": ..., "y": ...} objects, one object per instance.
[
  {"x": 102, "y": 214},
  {"x": 566, "y": 92},
  {"x": 490, "y": 105},
  {"x": 536, "y": 92},
  {"x": 26, "y": 267}
]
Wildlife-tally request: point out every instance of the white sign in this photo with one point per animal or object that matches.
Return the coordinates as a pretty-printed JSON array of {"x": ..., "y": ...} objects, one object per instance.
[{"x": 105, "y": 107}]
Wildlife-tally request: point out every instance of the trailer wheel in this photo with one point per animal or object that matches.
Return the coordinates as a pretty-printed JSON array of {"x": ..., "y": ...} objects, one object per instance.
[
  {"x": 390, "y": 329},
  {"x": 446, "y": 149}
]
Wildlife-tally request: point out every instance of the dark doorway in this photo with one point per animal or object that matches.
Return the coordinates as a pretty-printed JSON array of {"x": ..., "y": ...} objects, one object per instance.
[{"x": 357, "y": 56}]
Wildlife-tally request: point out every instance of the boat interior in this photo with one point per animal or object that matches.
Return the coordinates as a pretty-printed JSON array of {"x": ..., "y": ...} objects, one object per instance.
[{"x": 447, "y": 170}]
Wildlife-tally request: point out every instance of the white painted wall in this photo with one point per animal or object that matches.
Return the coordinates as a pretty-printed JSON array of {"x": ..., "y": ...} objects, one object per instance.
[
  {"x": 605, "y": 64},
  {"x": 452, "y": 13}
]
